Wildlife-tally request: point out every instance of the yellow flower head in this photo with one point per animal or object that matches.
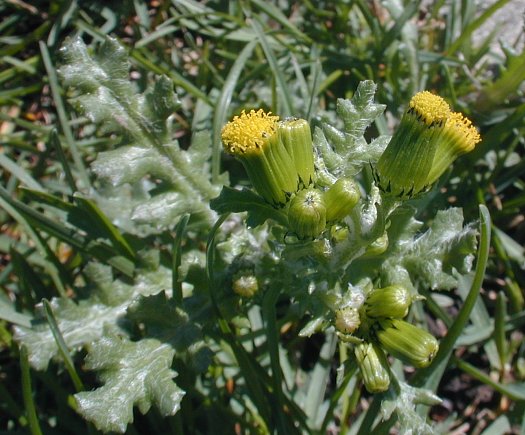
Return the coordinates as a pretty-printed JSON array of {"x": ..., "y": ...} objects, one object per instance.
[
  {"x": 429, "y": 108},
  {"x": 253, "y": 138},
  {"x": 461, "y": 128},
  {"x": 249, "y": 131},
  {"x": 428, "y": 140}
]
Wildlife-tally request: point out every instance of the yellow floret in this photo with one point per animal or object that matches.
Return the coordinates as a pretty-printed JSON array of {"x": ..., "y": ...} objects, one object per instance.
[
  {"x": 463, "y": 131},
  {"x": 248, "y": 131},
  {"x": 429, "y": 108}
]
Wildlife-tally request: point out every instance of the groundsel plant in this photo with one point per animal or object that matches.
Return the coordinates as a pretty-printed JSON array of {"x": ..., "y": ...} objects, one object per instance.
[{"x": 323, "y": 244}]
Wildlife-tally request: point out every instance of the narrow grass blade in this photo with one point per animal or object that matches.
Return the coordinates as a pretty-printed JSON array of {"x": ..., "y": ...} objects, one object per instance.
[
  {"x": 99, "y": 250},
  {"x": 8, "y": 313},
  {"x": 62, "y": 116},
  {"x": 272, "y": 337},
  {"x": 55, "y": 143},
  {"x": 274, "y": 12},
  {"x": 19, "y": 172},
  {"x": 465, "y": 34},
  {"x": 27, "y": 393},
  {"x": 29, "y": 280},
  {"x": 51, "y": 268},
  {"x": 62, "y": 347},
  {"x": 319, "y": 380},
  {"x": 100, "y": 220},
  {"x": 513, "y": 391},
  {"x": 286, "y": 107},
  {"x": 499, "y": 329}
]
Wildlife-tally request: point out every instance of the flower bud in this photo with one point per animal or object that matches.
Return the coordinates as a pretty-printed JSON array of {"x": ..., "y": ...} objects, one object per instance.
[
  {"x": 371, "y": 362},
  {"x": 341, "y": 198},
  {"x": 392, "y": 301},
  {"x": 428, "y": 140},
  {"x": 254, "y": 140},
  {"x": 407, "y": 342},
  {"x": 245, "y": 284},
  {"x": 378, "y": 246},
  {"x": 347, "y": 320},
  {"x": 307, "y": 214},
  {"x": 296, "y": 137}
]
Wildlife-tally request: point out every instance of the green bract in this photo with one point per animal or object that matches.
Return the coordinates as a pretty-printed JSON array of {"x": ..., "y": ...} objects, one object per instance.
[
  {"x": 341, "y": 198},
  {"x": 307, "y": 214},
  {"x": 428, "y": 140},
  {"x": 392, "y": 301},
  {"x": 372, "y": 364},
  {"x": 296, "y": 137},
  {"x": 407, "y": 342}
]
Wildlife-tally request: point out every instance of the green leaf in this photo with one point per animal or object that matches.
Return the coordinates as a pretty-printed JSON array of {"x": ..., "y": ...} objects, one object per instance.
[
  {"x": 403, "y": 402},
  {"x": 170, "y": 181},
  {"x": 345, "y": 152},
  {"x": 82, "y": 322},
  {"x": 133, "y": 373},
  {"x": 237, "y": 201},
  {"x": 162, "y": 319},
  {"x": 436, "y": 258}
]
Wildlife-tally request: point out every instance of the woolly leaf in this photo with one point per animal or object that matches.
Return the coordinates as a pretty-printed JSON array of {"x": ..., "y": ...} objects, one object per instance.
[
  {"x": 403, "y": 402},
  {"x": 162, "y": 319},
  {"x": 436, "y": 258},
  {"x": 100, "y": 89},
  {"x": 132, "y": 373},
  {"x": 82, "y": 322},
  {"x": 236, "y": 201},
  {"x": 345, "y": 152}
]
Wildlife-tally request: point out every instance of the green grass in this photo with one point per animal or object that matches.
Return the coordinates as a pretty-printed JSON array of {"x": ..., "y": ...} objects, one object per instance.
[{"x": 293, "y": 58}]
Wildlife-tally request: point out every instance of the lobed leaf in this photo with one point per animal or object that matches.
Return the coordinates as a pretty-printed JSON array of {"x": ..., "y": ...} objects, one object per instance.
[
  {"x": 345, "y": 152},
  {"x": 436, "y": 258},
  {"x": 178, "y": 181},
  {"x": 82, "y": 323},
  {"x": 133, "y": 373}
]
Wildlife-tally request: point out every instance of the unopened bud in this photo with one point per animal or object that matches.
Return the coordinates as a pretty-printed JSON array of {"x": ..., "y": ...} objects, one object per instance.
[
  {"x": 245, "y": 285},
  {"x": 341, "y": 198},
  {"x": 378, "y": 246},
  {"x": 296, "y": 137},
  {"x": 347, "y": 320},
  {"x": 371, "y": 362},
  {"x": 407, "y": 342},
  {"x": 307, "y": 214},
  {"x": 392, "y": 301}
]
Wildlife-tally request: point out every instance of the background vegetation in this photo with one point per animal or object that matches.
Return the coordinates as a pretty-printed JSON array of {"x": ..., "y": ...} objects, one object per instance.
[{"x": 293, "y": 58}]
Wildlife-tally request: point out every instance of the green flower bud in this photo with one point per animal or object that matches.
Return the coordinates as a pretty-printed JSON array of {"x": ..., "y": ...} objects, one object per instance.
[
  {"x": 245, "y": 284},
  {"x": 392, "y": 301},
  {"x": 407, "y": 342},
  {"x": 296, "y": 137},
  {"x": 341, "y": 198},
  {"x": 371, "y": 362},
  {"x": 254, "y": 140},
  {"x": 428, "y": 140},
  {"x": 307, "y": 214},
  {"x": 347, "y": 320},
  {"x": 378, "y": 246}
]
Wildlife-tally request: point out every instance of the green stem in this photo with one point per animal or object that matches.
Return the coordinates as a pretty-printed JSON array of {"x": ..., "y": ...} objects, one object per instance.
[
  {"x": 272, "y": 335},
  {"x": 27, "y": 393},
  {"x": 176, "y": 258}
]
